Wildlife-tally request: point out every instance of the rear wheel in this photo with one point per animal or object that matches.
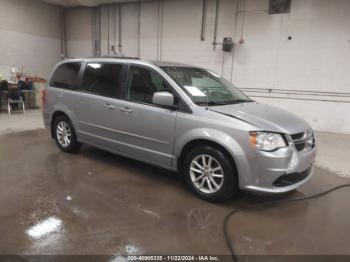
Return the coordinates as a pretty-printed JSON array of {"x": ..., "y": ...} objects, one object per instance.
[
  {"x": 209, "y": 174},
  {"x": 65, "y": 136}
]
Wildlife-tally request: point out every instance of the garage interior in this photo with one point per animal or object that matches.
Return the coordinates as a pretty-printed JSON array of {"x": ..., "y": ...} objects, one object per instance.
[{"x": 292, "y": 54}]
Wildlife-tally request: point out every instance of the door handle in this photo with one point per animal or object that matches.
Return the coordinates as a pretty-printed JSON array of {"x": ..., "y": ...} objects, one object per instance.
[
  {"x": 126, "y": 110},
  {"x": 109, "y": 106}
]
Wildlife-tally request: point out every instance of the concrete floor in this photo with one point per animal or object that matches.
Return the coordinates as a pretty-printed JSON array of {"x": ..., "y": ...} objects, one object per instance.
[
  {"x": 334, "y": 152},
  {"x": 17, "y": 121},
  {"x": 98, "y": 203}
]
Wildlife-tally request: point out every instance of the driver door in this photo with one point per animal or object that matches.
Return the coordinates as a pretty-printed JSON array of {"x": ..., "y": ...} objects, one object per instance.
[{"x": 146, "y": 130}]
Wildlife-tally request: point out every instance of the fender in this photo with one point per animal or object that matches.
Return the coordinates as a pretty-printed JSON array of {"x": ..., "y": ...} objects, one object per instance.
[{"x": 218, "y": 137}]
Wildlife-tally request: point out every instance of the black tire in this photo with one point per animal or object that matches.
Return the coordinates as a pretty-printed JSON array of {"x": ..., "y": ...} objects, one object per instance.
[
  {"x": 73, "y": 146},
  {"x": 229, "y": 186}
]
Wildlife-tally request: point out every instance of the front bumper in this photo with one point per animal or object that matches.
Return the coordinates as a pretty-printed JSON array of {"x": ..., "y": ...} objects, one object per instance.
[{"x": 280, "y": 171}]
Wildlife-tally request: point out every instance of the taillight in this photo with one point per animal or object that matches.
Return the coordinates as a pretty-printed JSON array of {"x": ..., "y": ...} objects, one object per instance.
[{"x": 44, "y": 96}]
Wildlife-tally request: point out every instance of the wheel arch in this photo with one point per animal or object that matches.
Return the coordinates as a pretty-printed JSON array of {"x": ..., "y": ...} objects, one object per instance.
[
  {"x": 203, "y": 141},
  {"x": 56, "y": 114},
  {"x": 62, "y": 111}
]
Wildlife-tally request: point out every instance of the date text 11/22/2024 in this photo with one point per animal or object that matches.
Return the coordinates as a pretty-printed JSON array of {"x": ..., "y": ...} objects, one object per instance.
[{"x": 173, "y": 258}]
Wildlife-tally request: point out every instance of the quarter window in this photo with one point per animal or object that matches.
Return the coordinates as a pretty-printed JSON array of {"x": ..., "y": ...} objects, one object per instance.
[
  {"x": 66, "y": 76},
  {"x": 103, "y": 79},
  {"x": 143, "y": 83}
]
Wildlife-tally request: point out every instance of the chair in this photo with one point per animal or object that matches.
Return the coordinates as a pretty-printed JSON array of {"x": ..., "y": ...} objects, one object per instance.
[{"x": 15, "y": 98}]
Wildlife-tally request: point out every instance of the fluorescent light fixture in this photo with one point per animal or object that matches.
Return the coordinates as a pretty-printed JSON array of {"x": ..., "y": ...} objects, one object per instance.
[
  {"x": 95, "y": 66},
  {"x": 45, "y": 227}
]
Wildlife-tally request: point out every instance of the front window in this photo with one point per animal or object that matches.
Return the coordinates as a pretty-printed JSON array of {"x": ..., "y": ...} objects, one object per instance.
[
  {"x": 143, "y": 83},
  {"x": 205, "y": 87}
]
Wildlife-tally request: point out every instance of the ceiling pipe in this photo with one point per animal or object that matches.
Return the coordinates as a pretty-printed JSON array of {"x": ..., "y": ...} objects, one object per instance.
[
  {"x": 96, "y": 31},
  {"x": 139, "y": 29},
  {"x": 114, "y": 30},
  {"x": 108, "y": 34},
  {"x": 160, "y": 30},
  {"x": 234, "y": 41},
  {"x": 120, "y": 45},
  {"x": 204, "y": 18},
  {"x": 63, "y": 33},
  {"x": 217, "y": 4}
]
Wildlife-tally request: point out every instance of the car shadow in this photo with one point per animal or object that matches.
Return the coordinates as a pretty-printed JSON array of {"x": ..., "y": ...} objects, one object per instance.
[{"x": 138, "y": 168}]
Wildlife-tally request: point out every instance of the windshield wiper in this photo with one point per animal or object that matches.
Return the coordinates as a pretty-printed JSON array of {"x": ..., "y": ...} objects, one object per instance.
[
  {"x": 211, "y": 103},
  {"x": 215, "y": 103},
  {"x": 238, "y": 101}
]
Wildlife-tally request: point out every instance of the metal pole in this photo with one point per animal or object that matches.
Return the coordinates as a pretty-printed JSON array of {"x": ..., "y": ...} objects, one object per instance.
[
  {"x": 63, "y": 33},
  {"x": 204, "y": 18},
  {"x": 234, "y": 40},
  {"x": 108, "y": 40},
  {"x": 99, "y": 31},
  {"x": 139, "y": 31},
  {"x": 216, "y": 24},
  {"x": 120, "y": 29}
]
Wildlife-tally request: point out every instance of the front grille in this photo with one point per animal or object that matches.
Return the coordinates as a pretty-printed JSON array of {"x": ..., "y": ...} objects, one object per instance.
[
  {"x": 300, "y": 146},
  {"x": 298, "y": 136},
  {"x": 300, "y": 141},
  {"x": 290, "y": 179}
]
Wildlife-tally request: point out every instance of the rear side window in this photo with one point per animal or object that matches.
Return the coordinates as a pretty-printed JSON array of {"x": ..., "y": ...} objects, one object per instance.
[
  {"x": 103, "y": 79},
  {"x": 66, "y": 76}
]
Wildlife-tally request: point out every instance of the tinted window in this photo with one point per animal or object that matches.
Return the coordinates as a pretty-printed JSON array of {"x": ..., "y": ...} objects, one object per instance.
[
  {"x": 103, "y": 79},
  {"x": 65, "y": 76},
  {"x": 143, "y": 83}
]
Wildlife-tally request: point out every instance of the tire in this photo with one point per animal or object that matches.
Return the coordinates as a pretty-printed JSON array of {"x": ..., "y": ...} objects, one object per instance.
[
  {"x": 224, "y": 188},
  {"x": 65, "y": 135}
]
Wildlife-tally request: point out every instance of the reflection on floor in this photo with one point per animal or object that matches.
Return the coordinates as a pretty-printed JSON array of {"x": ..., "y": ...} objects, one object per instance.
[{"x": 98, "y": 203}]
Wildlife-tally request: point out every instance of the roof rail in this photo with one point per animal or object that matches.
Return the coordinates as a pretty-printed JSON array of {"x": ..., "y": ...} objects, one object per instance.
[
  {"x": 118, "y": 57},
  {"x": 122, "y": 57}
]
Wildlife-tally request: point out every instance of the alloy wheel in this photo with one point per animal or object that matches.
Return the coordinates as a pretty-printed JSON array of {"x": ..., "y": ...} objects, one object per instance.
[
  {"x": 206, "y": 174},
  {"x": 64, "y": 134}
]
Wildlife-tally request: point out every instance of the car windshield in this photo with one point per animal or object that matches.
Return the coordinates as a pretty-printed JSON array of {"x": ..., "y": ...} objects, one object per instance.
[{"x": 205, "y": 87}]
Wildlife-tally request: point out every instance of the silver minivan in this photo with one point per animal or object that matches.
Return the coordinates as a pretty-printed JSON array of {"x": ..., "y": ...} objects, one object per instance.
[{"x": 182, "y": 118}]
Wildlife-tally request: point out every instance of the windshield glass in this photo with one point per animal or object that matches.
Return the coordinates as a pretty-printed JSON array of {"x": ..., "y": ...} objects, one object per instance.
[{"x": 205, "y": 87}]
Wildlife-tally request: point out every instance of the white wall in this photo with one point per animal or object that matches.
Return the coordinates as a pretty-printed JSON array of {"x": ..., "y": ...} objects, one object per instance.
[
  {"x": 29, "y": 36},
  {"x": 79, "y": 32},
  {"x": 317, "y": 59}
]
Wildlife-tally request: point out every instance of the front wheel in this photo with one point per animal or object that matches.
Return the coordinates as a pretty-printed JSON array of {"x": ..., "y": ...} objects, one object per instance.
[
  {"x": 65, "y": 136},
  {"x": 210, "y": 174}
]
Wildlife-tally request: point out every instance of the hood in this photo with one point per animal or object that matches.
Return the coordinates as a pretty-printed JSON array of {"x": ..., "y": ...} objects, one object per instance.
[{"x": 265, "y": 117}]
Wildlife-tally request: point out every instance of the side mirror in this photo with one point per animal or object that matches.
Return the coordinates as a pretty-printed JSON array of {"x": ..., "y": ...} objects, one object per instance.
[{"x": 163, "y": 99}]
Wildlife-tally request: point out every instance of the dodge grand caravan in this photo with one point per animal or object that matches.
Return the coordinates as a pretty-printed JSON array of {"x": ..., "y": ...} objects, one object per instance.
[{"x": 182, "y": 118}]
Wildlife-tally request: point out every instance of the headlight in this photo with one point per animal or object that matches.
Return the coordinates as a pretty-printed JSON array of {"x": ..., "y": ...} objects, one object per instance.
[
  {"x": 266, "y": 141},
  {"x": 310, "y": 138}
]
